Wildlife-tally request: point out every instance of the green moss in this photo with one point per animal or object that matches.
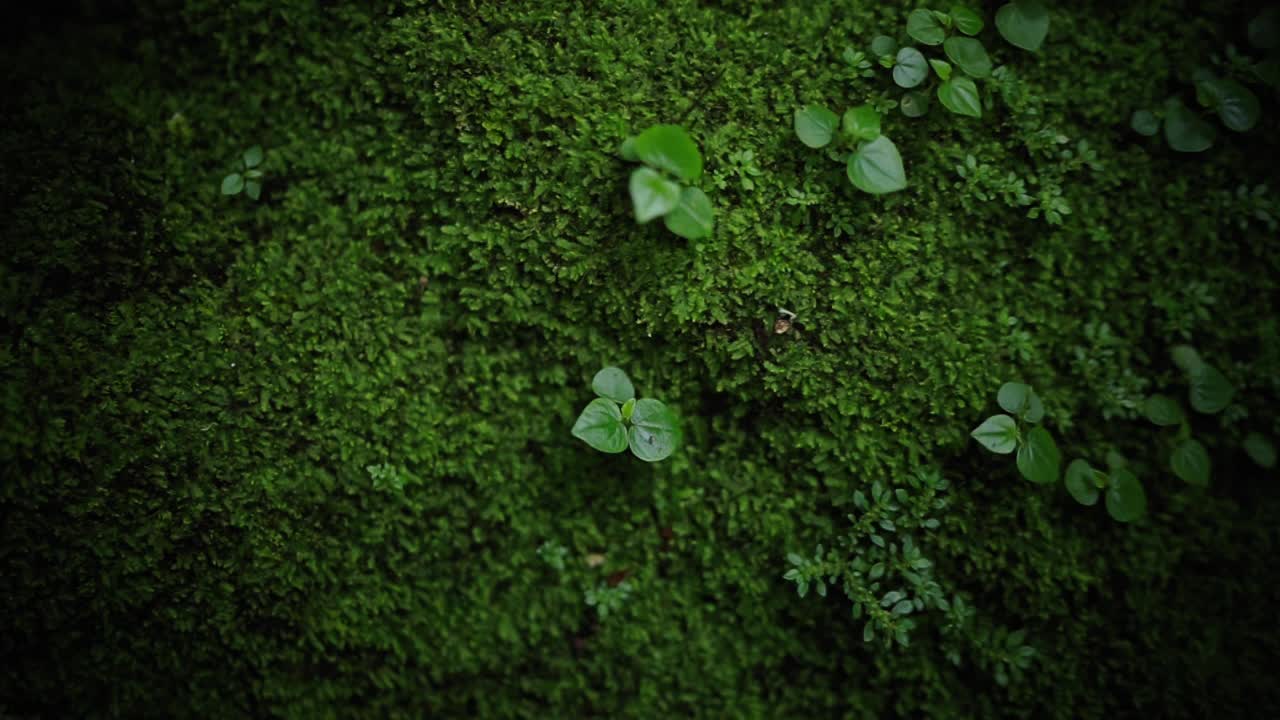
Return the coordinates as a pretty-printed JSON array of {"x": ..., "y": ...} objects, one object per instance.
[{"x": 194, "y": 387}]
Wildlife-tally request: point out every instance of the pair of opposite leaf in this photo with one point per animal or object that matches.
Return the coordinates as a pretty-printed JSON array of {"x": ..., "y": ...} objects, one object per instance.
[
  {"x": 670, "y": 158},
  {"x": 1038, "y": 458},
  {"x": 654, "y": 431},
  {"x": 874, "y": 166},
  {"x": 1126, "y": 500}
]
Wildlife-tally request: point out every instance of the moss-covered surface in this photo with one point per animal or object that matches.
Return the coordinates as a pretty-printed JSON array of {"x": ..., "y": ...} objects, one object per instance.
[{"x": 297, "y": 457}]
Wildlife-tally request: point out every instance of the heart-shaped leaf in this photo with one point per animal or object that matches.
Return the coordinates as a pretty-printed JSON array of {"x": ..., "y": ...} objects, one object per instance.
[
  {"x": 882, "y": 45},
  {"x": 1014, "y": 397},
  {"x": 876, "y": 167},
  {"x": 1024, "y": 23},
  {"x": 911, "y": 68},
  {"x": 969, "y": 55},
  {"x": 1260, "y": 450},
  {"x": 966, "y": 20},
  {"x": 669, "y": 147},
  {"x": 694, "y": 217},
  {"x": 1211, "y": 392},
  {"x": 613, "y": 383},
  {"x": 1144, "y": 122},
  {"x": 1162, "y": 410},
  {"x": 914, "y": 104},
  {"x": 1038, "y": 457},
  {"x": 815, "y": 125},
  {"x": 923, "y": 26},
  {"x": 600, "y": 426},
  {"x": 862, "y": 123},
  {"x": 1126, "y": 500},
  {"x": 1184, "y": 130},
  {"x": 655, "y": 431},
  {"x": 1190, "y": 461},
  {"x": 998, "y": 433},
  {"x": 960, "y": 96},
  {"x": 1080, "y": 483},
  {"x": 1237, "y": 106},
  {"x": 652, "y": 195}
]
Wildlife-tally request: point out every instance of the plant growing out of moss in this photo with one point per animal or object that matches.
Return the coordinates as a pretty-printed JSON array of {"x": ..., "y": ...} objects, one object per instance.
[
  {"x": 1210, "y": 393},
  {"x": 616, "y": 420},
  {"x": 873, "y": 163},
  {"x": 1126, "y": 500},
  {"x": 248, "y": 177},
  {"x": 662, "y": 187},
  {"x": 1038, "y": 458}
]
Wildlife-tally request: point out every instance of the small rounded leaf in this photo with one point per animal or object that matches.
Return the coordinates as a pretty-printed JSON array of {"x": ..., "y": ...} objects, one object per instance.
[
  {"x": 669, "y": 147},
  {"x": 1185, "y": 131},
  {"x": 1038, "y": 457},
  {"x": 1211, "y": 392},
  {"x": 815, "y": 125},
  {"x": 1035, "y": 409},
  {"x": 1024, "y": 23},
  {"x": 694, "y": 217},
  {"x": 969, "y": 55},
  {"x": 253, "y": 189},
  {"x": 911, "y": 68},
  {"x": 652, "y": 195},
  {"x": 655, "y": 432},
  {"x": 1162, "y": 410},
  {"x": 862, "y": 122},
  {"x": 1079, "y": 482},
  {"x": 998, "y": 433},
  {"x": 967, "y": 21},
  {"x": 1126, "y": 500},
  {"x": 914, "y": 104},
  {"x": 600, "y": 426},
  {"x": 613, "y": 383},
  {"x": 1190, "y": 461},
  {"x": 1237, "y": 106},
  {"x": 253, "y": 156},
  {"x": 883, "y": 45},
  {"x": 1260, "y": 450},
  {"x": 960, "y": 96},
  {"x": 1014, "y": 397},
  {"x": 1144, "y": 122},
  {"x": 876, "y": 167},
  {"x": 232, "y": 184},
  {"x": 923, "y": 26}
]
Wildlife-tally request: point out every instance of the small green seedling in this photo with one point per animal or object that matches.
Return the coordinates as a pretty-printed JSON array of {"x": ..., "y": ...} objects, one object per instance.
[
  {"x": 654, "y": 431},
  {"x": 874, "y": 165},
  {"x": 1189, "y": 459},
  {"x": 1126, "y": 500},
  {"x": 1210, "y": 391},
  {"x": 1023, "y": 22},
  {"x": 660, "y": 188},
  {"x": 1038, "y": 458},
  {"x": 248, "y": 178}
]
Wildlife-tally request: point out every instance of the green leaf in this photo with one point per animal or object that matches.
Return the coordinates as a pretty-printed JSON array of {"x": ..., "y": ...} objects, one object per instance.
[
  {"x": 1038, "y": 457},
  {"x": 669, "y": 147},
  {"x": 1024, "y": 23},
  {"x": 1264, "y": 30},
  {"x": 628, "y": 150},
  {"x": 941, "y": 67},
  {"x": 1162, "y": 410},
  {"x": 1144, "y": 122},
  {"x": 1126, "y": 500},
  {"x": 914, "y": 104},
  {"x": 253, "y": 156},
  {"x": 960, "y": 96},
  {"x": 694, "y": 217},
  {"x": 1260, "y": 450},
  {"x": 1035, "y": 409},
  {"x": 876, "y": 167},
  {"x": 613, "y": 383},
  {"x": 1184, "y": 130},
  {"x": 1211, "y": 392},
  {"x": 232, "y": 184},
  {"x": 911, "y": 68},
  {"x": 652, "y": 195},
  {"x": 862, "y": 123},
  {"x": 998, "y": 433},
  {"x": 655, "y": 432},
  {"x": 253, "y": 189},
  {"x": 628, "y": 407},
  {"x": 1186, "y": 358},
  {"x": 882, "y": 45},
  {"x": 924, "y": 26},
  {"x": 1080, "y": 484},
  {"x": 1238, "y": 107},
  {"x": 966, "y": 20},
  {"x": 600, "y": 426},
  {"x": 1190, "y": 461},
  {"x": 1014, "y": 397},
  {"x": 969, "y": 55},
  {"x": 815, "y": 125}
]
